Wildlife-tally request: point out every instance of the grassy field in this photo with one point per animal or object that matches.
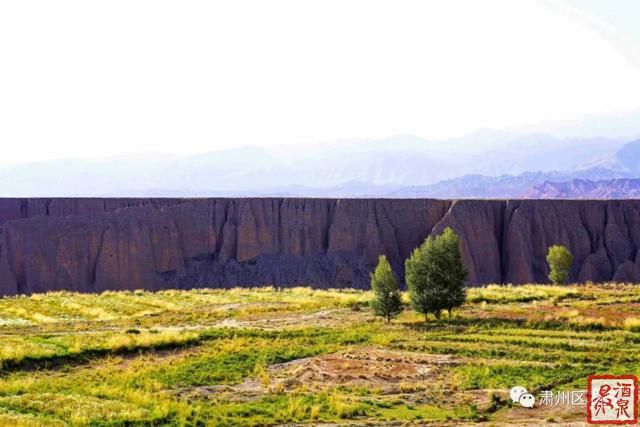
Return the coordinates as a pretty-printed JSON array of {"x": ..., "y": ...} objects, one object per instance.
[{"x": 254, "y": 357}]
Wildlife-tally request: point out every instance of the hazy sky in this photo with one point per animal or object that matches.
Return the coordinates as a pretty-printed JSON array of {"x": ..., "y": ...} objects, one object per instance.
[{"x": 86, "y": 78}]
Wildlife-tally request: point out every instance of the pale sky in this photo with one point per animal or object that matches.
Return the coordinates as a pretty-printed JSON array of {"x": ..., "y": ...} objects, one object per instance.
[{"x": 85, "y": 78}]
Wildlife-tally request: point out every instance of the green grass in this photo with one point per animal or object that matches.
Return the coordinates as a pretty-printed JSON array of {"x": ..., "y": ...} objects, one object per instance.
[
  {"x": 206, "y": 357},
  {"x": 524, "y": 293}
]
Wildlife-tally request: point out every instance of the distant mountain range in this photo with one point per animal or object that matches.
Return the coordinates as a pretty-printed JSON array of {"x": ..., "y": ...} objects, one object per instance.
[
  {"x": 611, "y": 176},
  {"x": 584, "y": 189},
  {"x": 486, "y": 164},
  {"x": 504, "y": 186}
]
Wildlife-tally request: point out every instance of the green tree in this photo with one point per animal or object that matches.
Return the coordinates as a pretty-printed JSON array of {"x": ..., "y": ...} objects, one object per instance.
[
  {"x": 435, "y": 275},
  {"x": 386, "y": 300},
  {"x": 560, "y": 260}
]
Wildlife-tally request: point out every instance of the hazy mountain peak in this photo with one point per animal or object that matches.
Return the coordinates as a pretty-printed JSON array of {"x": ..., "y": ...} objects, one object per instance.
[{"x": 486, "y": 163}]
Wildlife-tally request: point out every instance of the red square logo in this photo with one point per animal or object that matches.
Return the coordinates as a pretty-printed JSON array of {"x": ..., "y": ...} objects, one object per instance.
[{"x": 612, "y": 399}]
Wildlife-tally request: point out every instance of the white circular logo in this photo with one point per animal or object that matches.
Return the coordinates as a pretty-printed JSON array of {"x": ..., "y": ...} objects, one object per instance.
[
  {"x": 527, "y": 400},
  {"x": 520, "y": 395},
  {"x": 516, "y": 392}
]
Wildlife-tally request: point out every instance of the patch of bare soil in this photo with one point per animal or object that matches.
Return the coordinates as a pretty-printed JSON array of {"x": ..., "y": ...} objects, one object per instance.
[
  {"x": 560, "y": 415},
  {"x": 386, "y": 371},
  {"x": 405, "y": 376},
  {"x": 361, "y": 367}
]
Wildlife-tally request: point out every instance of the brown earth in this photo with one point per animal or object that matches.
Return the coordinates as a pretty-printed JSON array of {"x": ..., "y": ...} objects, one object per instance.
[
  {"x": 387, "y": 371},
  {"x": 369, "y": 367}
]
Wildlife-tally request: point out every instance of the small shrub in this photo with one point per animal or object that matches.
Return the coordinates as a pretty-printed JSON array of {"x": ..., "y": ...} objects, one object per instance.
[
  {"x": 409, "y": 387},
  {"x": 559, "y": 259},
  {"x": 387, "y": 301},
  {"x": 589, "y": 323},
  {"x": 296, "y": 408},
  {"x": 632, "y": 324},
  {"x": 356, "y": 305},
  {"x": 263, "y": 375},
  {"x": 314, "y": 414},
  {"x": 343, "y": 408}
]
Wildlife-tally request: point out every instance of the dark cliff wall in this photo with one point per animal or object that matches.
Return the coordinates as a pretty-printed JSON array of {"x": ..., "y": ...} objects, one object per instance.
[{"x": 96, "y": 244}]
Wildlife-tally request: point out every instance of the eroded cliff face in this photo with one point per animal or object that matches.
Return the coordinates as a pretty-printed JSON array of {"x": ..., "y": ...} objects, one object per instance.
[{"x": 91, "y": 245}]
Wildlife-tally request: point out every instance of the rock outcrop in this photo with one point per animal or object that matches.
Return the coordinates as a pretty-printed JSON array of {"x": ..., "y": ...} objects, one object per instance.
[{"x": 91, "y": 245}]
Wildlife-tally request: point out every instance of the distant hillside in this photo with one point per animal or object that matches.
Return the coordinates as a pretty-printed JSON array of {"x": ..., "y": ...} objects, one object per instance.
[
  {"x": 479, "y": 186},
  {"x": 586, "y": 189},
  {"x": 500, "y": 187}
]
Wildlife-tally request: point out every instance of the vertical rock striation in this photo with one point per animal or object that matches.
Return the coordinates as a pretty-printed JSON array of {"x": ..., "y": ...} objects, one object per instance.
[{"x": 91, "y": 245}]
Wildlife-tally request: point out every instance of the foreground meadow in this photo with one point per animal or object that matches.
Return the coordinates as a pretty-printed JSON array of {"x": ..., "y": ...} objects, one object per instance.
[{"x": 254, "y": 357}]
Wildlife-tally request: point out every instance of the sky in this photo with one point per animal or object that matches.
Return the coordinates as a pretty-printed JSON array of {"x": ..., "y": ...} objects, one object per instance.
[{"x": 88, "y": 79}]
